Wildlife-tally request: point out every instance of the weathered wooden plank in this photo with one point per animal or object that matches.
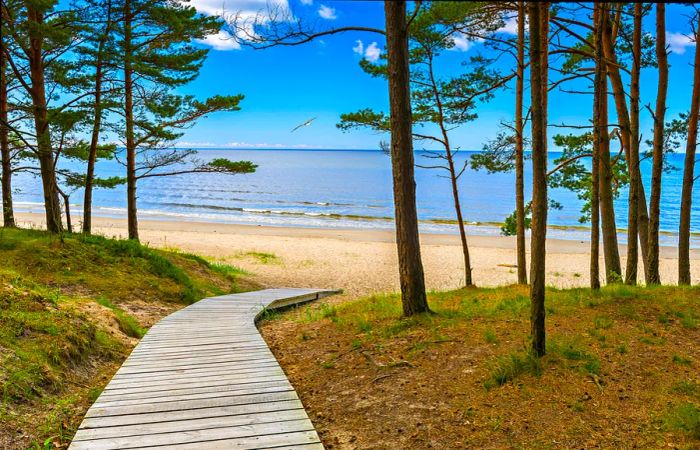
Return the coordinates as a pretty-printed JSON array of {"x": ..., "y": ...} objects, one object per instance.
[
  {"x": 203, "y": 378},
  {"x": 189, "y": 425},
  {"x": 178, "y": 438}
]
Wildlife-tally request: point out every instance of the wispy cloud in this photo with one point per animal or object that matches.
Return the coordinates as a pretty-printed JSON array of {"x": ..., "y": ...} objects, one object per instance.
[
  {"x": 244, "y": 10},
  {"x": 359, "y": 48},
  {"x": 307, "y": 2},
  {"x": 678, "y": 42},
  {"x": 222, "y": 41},
  {"x": 510, "y": 26},
  {"x": 326, "y": 12},
  {"x": 265, "y": 145},
  {"x": 187, "y": 144},
  {"x": 371, "y": 53}
]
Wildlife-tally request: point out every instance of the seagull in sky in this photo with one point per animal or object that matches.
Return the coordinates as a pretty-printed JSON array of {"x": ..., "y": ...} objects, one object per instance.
[{"x": 305, "y": 124}]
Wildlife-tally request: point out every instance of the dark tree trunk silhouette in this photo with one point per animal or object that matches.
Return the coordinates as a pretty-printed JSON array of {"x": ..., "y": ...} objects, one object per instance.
[
  {"x": 658, "y": 150},
  {"x": 598, "y": 99},
  {"x": 41, "y": 122},
  {"x": 519, "y": 149},
  {"x": 96, "y": 126},
  {"x": 539, "y": 19},
  {"x": 402, "y": 161},
  {"x": 629, "y": 139},
  {"x": 132, "y": 219},
  {"x": 8, "y": 215},
  {"x": 689, "y": 172},
  {"x": 633, "y": 154},
  {"x": 613, "y": 270}
]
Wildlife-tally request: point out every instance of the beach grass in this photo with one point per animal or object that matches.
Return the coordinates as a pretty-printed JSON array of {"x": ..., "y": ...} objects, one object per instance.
[{"x": 70, "y": 308}]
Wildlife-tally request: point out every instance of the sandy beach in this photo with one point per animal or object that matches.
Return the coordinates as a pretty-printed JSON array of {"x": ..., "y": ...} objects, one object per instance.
[{"x": 358, "y": 261}]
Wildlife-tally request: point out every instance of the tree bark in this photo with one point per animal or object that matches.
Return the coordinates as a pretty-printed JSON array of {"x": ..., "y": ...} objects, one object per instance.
[
  {"x": 402, "y": 161},
  {"x": 66, "y": 206},
  {"x": 96, "y": 127},
  {"x": 132, "y": 219},
  {"x": 689, "y": 172},
  {"x": 460, "y": 220},
  {"x": 539, "y": 18},
  {"x": 8, "y": 215},
  {"x": 658, "y": 150},
  {"x": 598, "y": 98},
  {"x": 519, "y": 150},
  {"x": 633, "y": 154},
  {"x": 630, "y": 140},
  {"x": 613, "y": 269},
  {"x": 41, "y": 123}
]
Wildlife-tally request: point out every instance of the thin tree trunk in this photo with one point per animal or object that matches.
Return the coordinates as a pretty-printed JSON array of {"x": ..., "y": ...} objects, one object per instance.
[
  {"x": 96, "y": 126},
  {"x": 613, "y": 269},
  {"x": 689, "y": 173},
  {"x": 629, "y": 140},
  {"x": 132, "y": 219},
  {"x": 460, "y": 221},
  {"x": 539, "y": 18},
  {"x": 66, "y": 206},
  {"x": 519, "y": 150},
  {"x": 8, "y": 215},
  {"x": 658, "y": 151},
  {"x": 598, "y": 98},
  {"x": 402, "y": 161},
  {"x": 633, "y": 153},
  {"x": 41, "y": 123}
]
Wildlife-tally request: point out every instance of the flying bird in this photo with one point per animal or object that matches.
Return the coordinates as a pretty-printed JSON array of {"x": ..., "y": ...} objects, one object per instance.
[{"x": 305, "y": 124}]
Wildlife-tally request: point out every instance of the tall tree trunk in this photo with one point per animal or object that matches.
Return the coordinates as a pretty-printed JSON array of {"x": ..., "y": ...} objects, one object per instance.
[
  {"x": 132, "y": 219},
  {"x": 96, "y": 127},
  {"x": 41, "y": 123},
  {"x": 633, "y": 153},
  {"x": 519, "y": 150},
  {"x": 8, "y": 215},
  {"x": 539, "y": 18},
  {"x": 613, "y": 269},
  {"x": 689, "y": 172},
  {"x": 658, "y": 151},
  {"x": 460, "y": 220},
  {"x": 598, "y": 98},
  {"x": 402, "y": 161},
  {"x": 629, "y": 140}
]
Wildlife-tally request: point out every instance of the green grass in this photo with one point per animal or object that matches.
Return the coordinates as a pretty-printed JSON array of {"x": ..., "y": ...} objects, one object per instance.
[
  {"x": 262, "y": 257},
  {"x": 684, "y": 417},
  {"x": 52, "y": 348},
  {"x": 127, "y": 323},
  {"x": 511, "y": 366}
]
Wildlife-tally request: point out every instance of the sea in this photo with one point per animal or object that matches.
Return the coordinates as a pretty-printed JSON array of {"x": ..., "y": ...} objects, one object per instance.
[{"x": 349, "y": 189}]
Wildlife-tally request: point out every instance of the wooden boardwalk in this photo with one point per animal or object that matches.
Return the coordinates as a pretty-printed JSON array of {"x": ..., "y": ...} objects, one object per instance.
[{"x": 203, "y": 378}]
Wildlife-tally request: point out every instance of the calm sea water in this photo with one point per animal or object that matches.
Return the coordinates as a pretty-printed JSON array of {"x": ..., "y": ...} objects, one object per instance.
[{"x": 346, "y": 189}]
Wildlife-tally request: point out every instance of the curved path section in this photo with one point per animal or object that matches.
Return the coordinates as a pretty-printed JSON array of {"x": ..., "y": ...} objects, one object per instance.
[{"x": 204, "y": 378}]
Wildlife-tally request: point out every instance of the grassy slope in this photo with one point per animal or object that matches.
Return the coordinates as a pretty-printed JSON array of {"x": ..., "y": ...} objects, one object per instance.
[
  {"x": 70, "y": 310},
  {"x": 623, "y": 369}
]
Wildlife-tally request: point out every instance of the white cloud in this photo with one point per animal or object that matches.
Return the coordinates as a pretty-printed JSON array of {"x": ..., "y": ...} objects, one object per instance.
[
  {"x": 327, "y": 12},
  {"x": 307, "y": 2},
  {"x": 247, "y": 11},
  {"x": 510, "y": 26},
  {"x": 265, "y": 145},
  {"x": 461, "y": 42},
  {"x": 678, "y": 42},
  {"x": 222, "y": 41},
  {"x": 372, "y": 52},
  {"x": 183, "y": 144},
  {"x": 359, "y": 48}
]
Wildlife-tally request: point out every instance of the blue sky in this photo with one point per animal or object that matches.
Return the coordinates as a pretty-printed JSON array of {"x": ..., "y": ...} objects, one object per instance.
[{"x": 286, "y": 86}]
